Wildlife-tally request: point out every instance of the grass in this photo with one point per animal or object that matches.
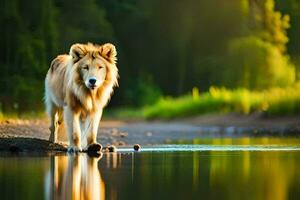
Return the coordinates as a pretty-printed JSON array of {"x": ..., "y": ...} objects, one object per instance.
[
  {"x": 124, "y": 113},
  {"x": 24, "y": 115},
  {"x": 272, "y": 102}
]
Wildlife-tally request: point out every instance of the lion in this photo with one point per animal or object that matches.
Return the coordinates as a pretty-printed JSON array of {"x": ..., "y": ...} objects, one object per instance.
[
  {"x": 77, "y": 88},
  {"x": 75, "y": 177}
]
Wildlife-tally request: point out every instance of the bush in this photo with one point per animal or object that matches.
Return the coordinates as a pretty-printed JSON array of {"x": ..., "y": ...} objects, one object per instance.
[
  {"x": 283, "y": 101},
  {"x": 257, "y": 64},
  {"x": 272, "y": 102}
]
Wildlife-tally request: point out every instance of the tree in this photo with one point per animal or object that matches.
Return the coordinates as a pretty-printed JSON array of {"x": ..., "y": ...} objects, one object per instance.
[
  {"x": 270, "y": 25},
  {"x": 257, "y": 64},
  {"x": 258, "y": 60},
  {"x": 292, "y": 7},
  {"x": 29, "y": 38},
  {"x": 81, "y": 23}
]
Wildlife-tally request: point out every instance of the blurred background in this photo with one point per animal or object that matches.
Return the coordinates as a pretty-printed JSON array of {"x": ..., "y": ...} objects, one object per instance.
[{"x": 176, "y": 58}]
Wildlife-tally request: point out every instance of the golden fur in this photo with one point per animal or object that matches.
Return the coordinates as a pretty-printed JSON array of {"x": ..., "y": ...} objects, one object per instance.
[
  {"x": 74, "y": 177},
  {"x": 70, "y": 96}
]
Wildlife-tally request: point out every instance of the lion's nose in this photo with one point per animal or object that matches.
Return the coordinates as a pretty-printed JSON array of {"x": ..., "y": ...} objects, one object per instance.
[{"x": 92, "y": 81}]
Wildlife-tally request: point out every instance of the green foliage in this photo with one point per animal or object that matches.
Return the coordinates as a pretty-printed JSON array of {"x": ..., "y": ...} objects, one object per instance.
[
  {"x": 270, "y": 24},
  {"x": 124, "y": 113},
  {"x": 29, "y": 37},
  {"x": 82, "y": 22},
  {"x": 292, "y": 7},
  {"x": 283, "y": 101},
  {"x": 258, "y": 60},
  {"x": 142, "y": 93},
  {"x": 275, "y": 101},
  {"x": 257, "y": 64},
  {"x": 244, "y": 45},
  {"x": 34, "y": 33}
]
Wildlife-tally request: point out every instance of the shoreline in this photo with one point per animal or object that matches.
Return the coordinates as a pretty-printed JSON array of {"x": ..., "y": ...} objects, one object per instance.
[{"x": 32, "y": 135}]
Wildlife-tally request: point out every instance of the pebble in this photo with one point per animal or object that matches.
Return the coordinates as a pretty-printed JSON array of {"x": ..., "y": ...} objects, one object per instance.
[
  {"x": 136, "y": 147},
  {"x": 112, "y": 148}
]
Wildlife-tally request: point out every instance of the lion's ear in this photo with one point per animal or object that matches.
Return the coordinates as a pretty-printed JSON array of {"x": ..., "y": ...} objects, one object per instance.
[
  {"x": 109, "y": 52},
  {"x": 77, "y": 52}
]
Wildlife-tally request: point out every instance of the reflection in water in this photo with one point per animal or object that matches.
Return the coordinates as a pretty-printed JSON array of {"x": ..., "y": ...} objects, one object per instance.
[
  {"x": 113, "y": 160},
  {"x": 221, "y": 174},
  {"x": 267, "y": 175},
  {"x": 74, "y": 177},
  {"x": 210, "y": 175},
  {"x": 159, "y": 175}
]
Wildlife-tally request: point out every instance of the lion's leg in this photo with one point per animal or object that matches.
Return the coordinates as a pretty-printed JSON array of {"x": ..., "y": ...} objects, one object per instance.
[
  {"x": 92, "y": 130},
  {"x": 72, "y": 122},
  {"x": 59, "y": 116},
  {"x": 53, "y": 113}
]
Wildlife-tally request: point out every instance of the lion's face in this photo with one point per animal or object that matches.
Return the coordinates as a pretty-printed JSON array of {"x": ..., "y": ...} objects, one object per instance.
[
  {"x": 93, "y": 62},
  {"x": 93, "y": 72}
]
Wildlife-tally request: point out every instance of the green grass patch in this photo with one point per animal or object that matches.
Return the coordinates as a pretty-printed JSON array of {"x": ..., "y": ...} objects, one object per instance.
[
  {"x": 124, "y": 113},
  {"x": 272, "y": 102},
  {"x": 23, "y": 115}
]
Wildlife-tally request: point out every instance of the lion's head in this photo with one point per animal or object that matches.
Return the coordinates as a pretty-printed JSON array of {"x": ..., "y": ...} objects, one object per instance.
[{"x": 96, "y": 65}]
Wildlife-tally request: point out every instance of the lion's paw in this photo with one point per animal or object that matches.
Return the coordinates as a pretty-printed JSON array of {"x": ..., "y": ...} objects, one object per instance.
[{"x": 95, "y": 147}]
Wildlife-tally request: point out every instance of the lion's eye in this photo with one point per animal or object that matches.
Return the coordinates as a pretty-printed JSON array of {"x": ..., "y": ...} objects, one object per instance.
[
  {"x": 86, "y": 67},
  {"x": 100, "y": 67}
]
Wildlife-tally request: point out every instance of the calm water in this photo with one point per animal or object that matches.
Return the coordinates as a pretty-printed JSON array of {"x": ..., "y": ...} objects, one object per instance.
[{"x": 241, "y": 168}]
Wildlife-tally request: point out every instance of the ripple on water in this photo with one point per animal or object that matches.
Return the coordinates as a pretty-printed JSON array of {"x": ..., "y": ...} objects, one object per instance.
[{"x": 195, "y": 147}]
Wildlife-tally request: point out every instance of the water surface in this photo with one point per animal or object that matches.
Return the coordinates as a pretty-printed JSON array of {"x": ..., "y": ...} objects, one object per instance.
[{"x": 228, "y": 168}]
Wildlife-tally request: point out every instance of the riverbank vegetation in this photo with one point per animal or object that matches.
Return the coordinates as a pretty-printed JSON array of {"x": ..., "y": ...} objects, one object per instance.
[
  {"x": 244, "y": 59},
  {"x": 271, "y": 102}
]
